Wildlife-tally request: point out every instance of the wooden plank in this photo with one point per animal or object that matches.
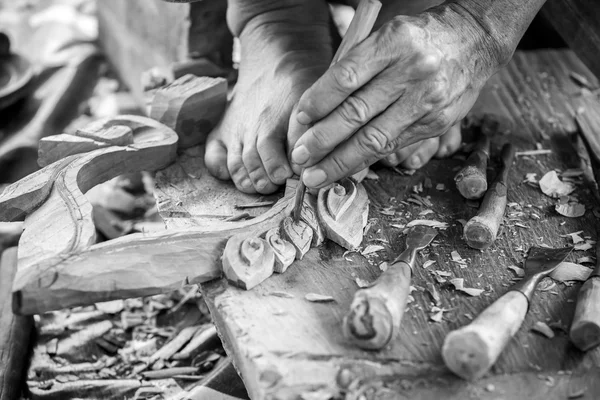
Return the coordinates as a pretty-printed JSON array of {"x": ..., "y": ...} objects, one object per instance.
[
  {"x": 577, "y": 22},
  {"x": 285, "y": 346},
  {"x": 138, "y": 35},
  {"x": 15, "y": 331}
]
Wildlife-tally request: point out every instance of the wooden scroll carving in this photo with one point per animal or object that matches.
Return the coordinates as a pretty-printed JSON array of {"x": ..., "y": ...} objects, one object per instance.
[{"x": 59, "y": 264}]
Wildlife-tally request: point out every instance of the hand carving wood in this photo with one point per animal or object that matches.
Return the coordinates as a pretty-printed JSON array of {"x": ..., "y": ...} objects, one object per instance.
[
  {"x": 343, "y": 211},
  {"x": 285, "y": 252},
  {"x": 247, "y": 261}
]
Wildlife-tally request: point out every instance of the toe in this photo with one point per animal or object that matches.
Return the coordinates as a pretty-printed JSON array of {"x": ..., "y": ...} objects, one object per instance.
[
  {"x": 400, "y": 155},
  {"x": 215, "y": 158},
  {"x": 450, "y": 141},
  {"x": 256, "y": 172},
  {"x": 426, "y": 150},
  {"x": 238, "y": 171},
  {"x": 274, "y": 160}
]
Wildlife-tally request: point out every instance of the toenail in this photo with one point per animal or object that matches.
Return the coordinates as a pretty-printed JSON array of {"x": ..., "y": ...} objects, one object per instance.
[
  {"x": 444, "y": 151},
  {"x": 280, "y": 173},
  {"x": 393, "y": 158},
  {"x": 300, "y": 155},
  {"x": 303, "y": 118},
  {"x": 261, "y": 183},
  {"x": 415, "y": 161},
  {"x": 246, "y": 183},
  {"x": 314, "y": 178}
]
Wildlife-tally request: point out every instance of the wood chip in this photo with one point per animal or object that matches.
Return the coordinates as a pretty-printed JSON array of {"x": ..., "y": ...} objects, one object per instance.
[
  {"x": 425, "y": 212},
  {"x": 436, "y": 314},
  {"x": 543, "y": 329},
  {"x": 440, "y": 186},
  {"x": 318, "y": 298},
  {"x": 111, "y": 307},
  {"x": 428, "y": 263},
  {"x": 280, "y": 294},
  {"x": 539, "y": 152},
  {"x": 428, "y": 222},
  {"x": 456, "y": 258},
  {"x": 383, "y": 266},
  {"x": 459, "y": 285},
  {"x": 255, "y": 205},
  {"x": 584, "y": 246},
  {"x": 362, "y": 283},
  {"x": 519, "y": 271},
  {"x": 586, "y": 260},
  {"x": 552, "y": 186},
  {"x": 571, "y": 210},
  {"x": 568, "y": 271},
  {"x": 574, "y": 236},
  {"x": 372, "y": 248}
]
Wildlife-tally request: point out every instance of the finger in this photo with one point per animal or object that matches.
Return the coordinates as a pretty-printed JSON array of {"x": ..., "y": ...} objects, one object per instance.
[
  {"x": 426, "y": 149},
  {"x": 357, "y": 68},
  {"x": 295, "y": 131},
  {"x": 450, "y": 141},
  {"x": 253, "y": 164},
  {"x": 271, "y": 150}
]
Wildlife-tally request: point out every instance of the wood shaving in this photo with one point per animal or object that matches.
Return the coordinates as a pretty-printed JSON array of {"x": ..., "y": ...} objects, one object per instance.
[
  {"x": 428, "y": 222},
  {"x": 571, "y": 210},
  {"x": 543, "y": 329},
  {"x": 442, "y": 273},
  {"x": 440, "y": 186},
  {"x": 428, "y": 263},
  {"x": 539, "y": 152},
  {"x": 586, "y": 260},
  {"x": 574, "y": 237},
  {"x": 459, "y": 284},
  {"x": 372, "y": 248},
  {"x": 530, "y": 178},
  {"x": 383, "y": 266},
  {"x": 436, "y": 314},
  {"x": 425, "y": 212},
  {"x": 111, "y": 307},
  {"x": 285, "y": 295},
  {"x": 255, "y": 204},
  {"x": 568, "y": 271},
  {"x": 362, "y": 283},
  {"x": 519, "y": 271},
  {"x": 456, "y": 258},
  {"x": 316, "y": 298},
  {"x": 552, "y": 186},
  {"x": 584, "y": 246}
]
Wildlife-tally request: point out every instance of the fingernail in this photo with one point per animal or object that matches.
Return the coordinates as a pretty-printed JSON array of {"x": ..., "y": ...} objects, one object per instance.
[
  {"x": 314, "y": 178},
  {"x": 415, "y": 161},
  {"x": 393, "y": 158},
  {"x": 300, "y": 155},
  {"x": 303, "y": 118},
  {"x": 261, "y": 183},
  {"x": 246, "y": 183},
  {"x": 280, "y": 173}
]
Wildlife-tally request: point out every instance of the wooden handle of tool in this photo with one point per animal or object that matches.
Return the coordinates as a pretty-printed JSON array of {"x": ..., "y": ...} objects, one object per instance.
[
  {"x": 481, "y": 230},
  {"x": 470, "y": 351},
  {"x": 585, "y": 329},
  {"x": 361, "y": 25},
  {"x": 376, "y": 312},
  {"x": 471, "y": 180}
]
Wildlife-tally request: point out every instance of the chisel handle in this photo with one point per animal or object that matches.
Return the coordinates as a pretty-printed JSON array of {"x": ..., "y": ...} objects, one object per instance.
[
  {"x": 585, "y": 329},
  {"x": 470, "y": 351},
  {"x": 481, "y": 230},
  {"x": 471, "y": 180},
  {"x": 376, "y": 311}
]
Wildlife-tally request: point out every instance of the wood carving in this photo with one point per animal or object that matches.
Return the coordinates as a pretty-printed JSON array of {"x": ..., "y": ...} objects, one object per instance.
[
  {"x": 343, "y": 209},
  {"x": 191, "y": 106},
  {"x": 247, "y": 261},
  {"x": 285, "y": 252},
  {"x": 308, "y": 214},
  {"x": 299, "y": 234}
]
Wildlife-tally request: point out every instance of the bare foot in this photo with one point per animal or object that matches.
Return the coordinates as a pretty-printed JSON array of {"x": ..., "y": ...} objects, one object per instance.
[{"x": 284, "y": 51}]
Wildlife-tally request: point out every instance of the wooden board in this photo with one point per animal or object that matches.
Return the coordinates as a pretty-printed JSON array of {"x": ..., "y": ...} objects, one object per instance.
[
  {"x": 285, "y": 346},
  {"x": 138, "y": 35}
]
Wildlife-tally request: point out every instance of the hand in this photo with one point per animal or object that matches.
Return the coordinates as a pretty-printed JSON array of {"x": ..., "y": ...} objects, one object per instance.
[{"x": 411, "y": 80}]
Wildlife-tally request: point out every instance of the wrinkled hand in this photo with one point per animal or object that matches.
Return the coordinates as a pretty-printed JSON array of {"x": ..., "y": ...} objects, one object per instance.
[{"x": 411, "y": 80}]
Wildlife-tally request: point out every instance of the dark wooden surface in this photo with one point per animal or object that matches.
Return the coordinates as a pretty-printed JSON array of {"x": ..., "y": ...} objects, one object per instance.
[
  {"x": 577, "y": 22},
  {"x": 286, "y": 346},
  {"x": 15, "y": 331}
]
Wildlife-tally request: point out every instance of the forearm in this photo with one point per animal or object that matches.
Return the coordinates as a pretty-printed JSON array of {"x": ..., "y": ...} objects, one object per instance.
[{"x": 503, "y": 21}]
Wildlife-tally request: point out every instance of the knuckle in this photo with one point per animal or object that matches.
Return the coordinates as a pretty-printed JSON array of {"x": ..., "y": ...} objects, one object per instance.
[
  {"x": 355, "y": 111},
  {"x": 340, "y": 165},
  {"x": 375, "y": 141},
  {"x": 321, "y": 138},
  {"x": 346, "y": 75}
]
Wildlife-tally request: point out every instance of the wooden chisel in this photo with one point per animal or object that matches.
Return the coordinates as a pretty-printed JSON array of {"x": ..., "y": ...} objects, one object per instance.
[
  {"x": 471, "y": 351},
  {"x": 471, "y": 180},
  {"x": 481, "y": 230},
  {"x": 585, "y": 328},
  {"x": 361, "y": 25},
  {"x": 376, "y": 312}
]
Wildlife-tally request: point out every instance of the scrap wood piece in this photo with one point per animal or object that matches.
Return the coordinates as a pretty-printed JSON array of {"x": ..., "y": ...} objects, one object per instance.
[
  {"x": 15, "y": 331},
  {"x": 567, "y": 271},
  {"x": 191, "y": 106},
  {"x": 175, "y": 344},
  {"x": 202, "y": 339},
  {"x": 248, "y": 261}
]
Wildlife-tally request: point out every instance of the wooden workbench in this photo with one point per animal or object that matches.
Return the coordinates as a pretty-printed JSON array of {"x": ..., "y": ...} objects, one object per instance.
[{"x": 286, "y": 347}]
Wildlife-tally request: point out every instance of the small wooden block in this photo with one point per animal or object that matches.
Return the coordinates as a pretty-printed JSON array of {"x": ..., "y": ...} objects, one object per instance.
[
  {"x": 346, "y": 227},
  {"x": 285, "y": 252},
  {"x": 57, "y": 147},
  {"x": 191, "y": 106},
  {"x": 308, "y": 214},
  {"x": 247, "y": 261},
  {"x": 299, "y": 234},
  {"x": 116, "y": 135}
]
